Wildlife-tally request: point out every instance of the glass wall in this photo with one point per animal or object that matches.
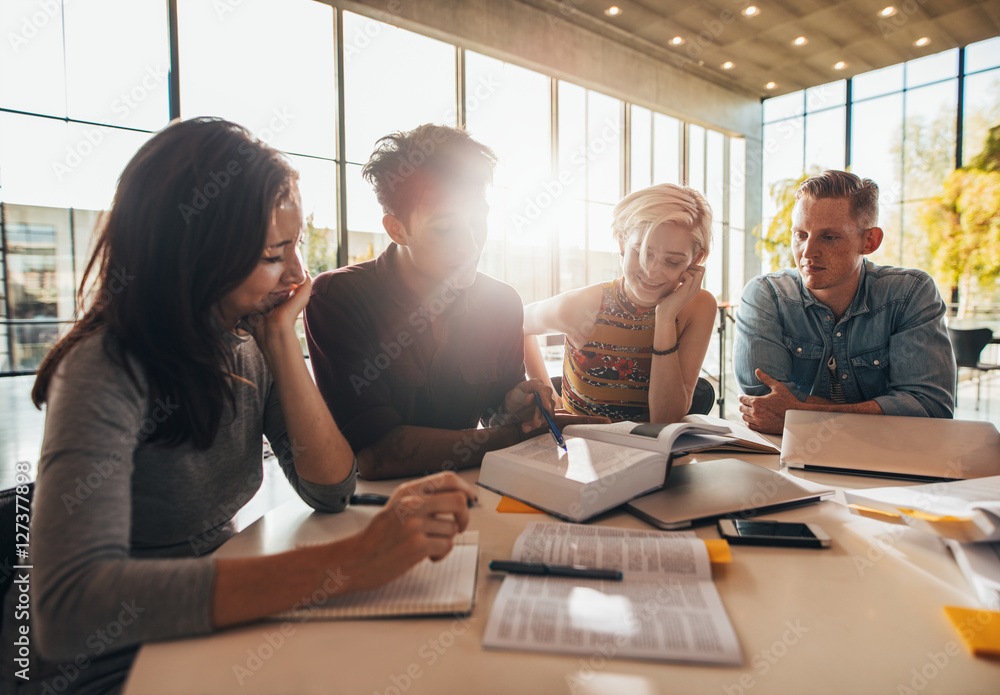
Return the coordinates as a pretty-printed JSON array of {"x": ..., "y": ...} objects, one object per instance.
[
  {"x": 903, "y": 134},
  {"x": 73, "y": 112}
]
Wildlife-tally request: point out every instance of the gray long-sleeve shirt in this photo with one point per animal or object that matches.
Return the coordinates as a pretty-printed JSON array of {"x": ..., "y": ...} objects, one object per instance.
[{"x": 120, "y": 528}]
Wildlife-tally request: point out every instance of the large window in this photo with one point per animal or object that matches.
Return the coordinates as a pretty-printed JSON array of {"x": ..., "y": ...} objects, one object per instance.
[
  {"x": 903, "y": 135},
  {"x": 567, "y": 154}
]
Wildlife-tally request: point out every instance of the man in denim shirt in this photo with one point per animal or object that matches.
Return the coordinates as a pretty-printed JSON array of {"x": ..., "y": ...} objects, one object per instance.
[{"x": 837, "y": 332}]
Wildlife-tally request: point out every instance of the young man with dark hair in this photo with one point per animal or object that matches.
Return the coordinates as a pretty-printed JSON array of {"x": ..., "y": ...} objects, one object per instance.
[
  {"x": 837, "y": 332},
  {"x": 413, "y": 350}
]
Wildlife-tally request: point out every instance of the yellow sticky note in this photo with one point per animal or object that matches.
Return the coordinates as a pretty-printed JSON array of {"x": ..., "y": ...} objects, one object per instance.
[
  {"x": 718, "y": 550},
  {"x": 877, "y": 514},
  {"x": 978, "y": 629},
  {"x": 513, "y": 506}
]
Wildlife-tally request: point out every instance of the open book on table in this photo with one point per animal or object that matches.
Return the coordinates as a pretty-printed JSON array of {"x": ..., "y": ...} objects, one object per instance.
[
  {"x": 428, "y": 588},
  {"x": 665, "y": 608},
  {"x": 603, "y": 466},
  {"x": 691, "y": 433}
]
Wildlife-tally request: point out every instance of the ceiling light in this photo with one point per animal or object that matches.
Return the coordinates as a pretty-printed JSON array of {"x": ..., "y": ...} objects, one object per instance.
[
  {"x": 887, "y": 11},
  {"x": 922, "y": 41},
  {"x": 801, "y": 41},
  {"x": 839, "y": 65},
  {"x": 613, "y": 11},
  {"x": 677, "y": 40},
  {"x": 770, "y": 85},
  {"x": 751, "y": 11},
  {"x": 728, "y": 65}
]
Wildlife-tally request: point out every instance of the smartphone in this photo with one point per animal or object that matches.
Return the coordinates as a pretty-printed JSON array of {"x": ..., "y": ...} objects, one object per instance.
[{"x": 766, "y": 532}]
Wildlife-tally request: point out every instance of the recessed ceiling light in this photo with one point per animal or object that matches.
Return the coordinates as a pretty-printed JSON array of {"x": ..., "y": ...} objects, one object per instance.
[
  {"x": 839, "y": 65},
  {"x": 887, "y": 11},
  {"x": 751, "y": 11},
  {"x": 728, "y": 65},
  {"x": 613, "y": 11},
  {"x": 770, "y": 85},
  {"x": 677, "y": 40},
  {"x": 922, "y": 41},
  {"x": 801, "y": 41}
]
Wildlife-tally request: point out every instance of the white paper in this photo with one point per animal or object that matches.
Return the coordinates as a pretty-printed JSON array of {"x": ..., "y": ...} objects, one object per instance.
[{"x": 666, "y": 608}]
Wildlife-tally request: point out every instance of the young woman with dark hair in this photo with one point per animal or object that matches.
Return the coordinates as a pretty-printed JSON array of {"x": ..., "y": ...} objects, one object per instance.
[{"x": 157, "y": 399}]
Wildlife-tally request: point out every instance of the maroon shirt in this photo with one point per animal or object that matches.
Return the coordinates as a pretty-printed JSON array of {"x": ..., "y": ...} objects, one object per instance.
[{"x": 378, "y": 365}]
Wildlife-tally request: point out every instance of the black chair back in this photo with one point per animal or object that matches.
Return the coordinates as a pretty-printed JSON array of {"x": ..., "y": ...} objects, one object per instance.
[{"x": 968, "y": 344}]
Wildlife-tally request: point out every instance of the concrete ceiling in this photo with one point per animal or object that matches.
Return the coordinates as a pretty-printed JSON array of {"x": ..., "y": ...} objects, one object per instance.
[{"x": 762, "y": 49}]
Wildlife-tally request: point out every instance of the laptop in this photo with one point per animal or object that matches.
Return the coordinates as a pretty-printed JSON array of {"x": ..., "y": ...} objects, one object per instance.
[
  {"x": 700, "y": 493},
  {"x": 890, "y": 446}
]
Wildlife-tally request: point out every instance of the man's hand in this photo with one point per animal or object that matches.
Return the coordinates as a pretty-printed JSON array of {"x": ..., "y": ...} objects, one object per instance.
[
  {"x": 767, "y": 413},
  {"x": 520, "y": 403}
]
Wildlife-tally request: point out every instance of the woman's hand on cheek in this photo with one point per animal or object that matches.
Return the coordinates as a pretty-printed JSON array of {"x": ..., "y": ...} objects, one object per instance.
[
  {"x": 279, "y": 318},
  {"x": 689, "y": 284}
]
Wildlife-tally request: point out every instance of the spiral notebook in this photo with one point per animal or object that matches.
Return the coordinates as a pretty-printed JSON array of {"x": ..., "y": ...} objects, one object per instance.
[{"x": 428, "y": 588}]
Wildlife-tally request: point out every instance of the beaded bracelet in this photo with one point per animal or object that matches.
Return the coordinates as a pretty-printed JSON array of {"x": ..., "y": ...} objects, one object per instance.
[{"x": 672, "y": 350}]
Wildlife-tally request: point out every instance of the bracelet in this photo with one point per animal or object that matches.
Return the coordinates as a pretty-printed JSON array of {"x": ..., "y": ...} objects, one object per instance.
[{"x": 672, "y": 350}]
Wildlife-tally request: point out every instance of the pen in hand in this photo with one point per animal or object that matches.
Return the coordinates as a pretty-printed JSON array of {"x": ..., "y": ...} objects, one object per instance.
[{"x": 551, "y": 423}]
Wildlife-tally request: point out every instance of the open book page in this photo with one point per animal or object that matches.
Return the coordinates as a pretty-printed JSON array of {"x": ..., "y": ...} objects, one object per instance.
[
  {"x": 636, "y": 553},
  {"x": 428, "y": 588},
  {"x": 583, "y": 461},
  {"x": 661, "y": 610},
  {"x": 746, "y": 438},
  {"x": 660, "y": 438}
]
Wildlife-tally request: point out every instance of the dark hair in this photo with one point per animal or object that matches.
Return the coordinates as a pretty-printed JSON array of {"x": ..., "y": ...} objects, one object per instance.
[
  {"x": 862, "y": 194},
  {"x": 446, "y": 153},
  {"x": 187, "y": 224}
]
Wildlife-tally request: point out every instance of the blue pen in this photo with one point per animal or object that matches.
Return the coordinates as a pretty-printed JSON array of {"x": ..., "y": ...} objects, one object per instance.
[{"x": 552, "y": 423}]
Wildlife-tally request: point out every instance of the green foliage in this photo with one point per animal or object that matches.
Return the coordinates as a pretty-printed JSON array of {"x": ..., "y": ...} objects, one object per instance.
[
  {"x": 775, "y": 243},
  {"x": 962, "y": 224},
  {"x": 320, "y": 248}
]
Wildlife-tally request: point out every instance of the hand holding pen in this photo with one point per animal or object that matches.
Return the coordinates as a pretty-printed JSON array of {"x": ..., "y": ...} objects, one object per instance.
[{"x": 553, "y": 429}]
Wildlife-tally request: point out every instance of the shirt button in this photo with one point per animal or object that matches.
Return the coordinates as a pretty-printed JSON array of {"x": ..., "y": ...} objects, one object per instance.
[
  {"x": 843, "y": 376},
  {"x": 826, "y": 318},
  {"x": 876, "y": 361},
  {"x": 798, "y": 349},
  {"x": 838, "y": 335}
]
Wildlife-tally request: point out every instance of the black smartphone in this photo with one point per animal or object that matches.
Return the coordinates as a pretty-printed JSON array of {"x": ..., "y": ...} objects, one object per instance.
[{"x": 765, "y": 532}]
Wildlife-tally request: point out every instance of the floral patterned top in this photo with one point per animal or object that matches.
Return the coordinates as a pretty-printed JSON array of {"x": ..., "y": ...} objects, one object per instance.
[{"x": 609, "y": 375}]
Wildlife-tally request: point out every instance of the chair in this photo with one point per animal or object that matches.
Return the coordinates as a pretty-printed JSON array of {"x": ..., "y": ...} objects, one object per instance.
[
  {"x": 968, "y": 345},
  {"x": 701, "y": 403}
]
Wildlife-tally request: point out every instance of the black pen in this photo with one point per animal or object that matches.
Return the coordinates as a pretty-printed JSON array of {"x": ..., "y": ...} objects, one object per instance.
[
  {"x": 374, "y": 499},
  {"x": 540, "y": 568},
  {"x": 370, "y": 498},
  {"x": 552, "y": 424}
]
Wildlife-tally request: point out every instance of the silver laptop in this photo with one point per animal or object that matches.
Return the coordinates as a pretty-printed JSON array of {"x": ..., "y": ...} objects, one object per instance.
[
  {"x": 699, "y": 493},
  {"x": 913, "y": 448}
]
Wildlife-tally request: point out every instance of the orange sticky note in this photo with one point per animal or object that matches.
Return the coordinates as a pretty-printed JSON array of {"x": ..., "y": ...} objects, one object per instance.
[
  {"x": 978, "y": 629},
  {"x": 513, "y": 506},
  {"x": 718, "y": 550}
]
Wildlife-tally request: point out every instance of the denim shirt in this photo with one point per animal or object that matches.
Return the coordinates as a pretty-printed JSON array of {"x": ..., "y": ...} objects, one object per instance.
[{"x": 890, "y": 346}]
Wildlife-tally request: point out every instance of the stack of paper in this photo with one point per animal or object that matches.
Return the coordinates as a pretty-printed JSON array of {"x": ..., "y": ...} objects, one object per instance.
[
  {"x": 963, "y": 510},
  {"x": 966, "y": 513}
]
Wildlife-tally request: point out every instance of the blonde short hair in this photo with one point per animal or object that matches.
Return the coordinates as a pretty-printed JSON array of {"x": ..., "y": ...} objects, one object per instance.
[{"x": 664, "y": 203}]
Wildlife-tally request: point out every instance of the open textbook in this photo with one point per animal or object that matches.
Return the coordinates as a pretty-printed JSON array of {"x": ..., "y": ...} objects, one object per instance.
[
  {"x": 963, "y": 510},
  {"x": 602, "y": 467},
  {"x": 665, "y": 608},
  {"x": 427, "y": 588}
]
